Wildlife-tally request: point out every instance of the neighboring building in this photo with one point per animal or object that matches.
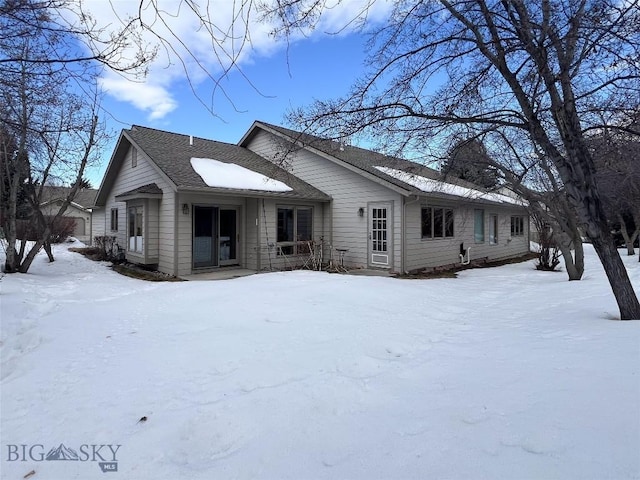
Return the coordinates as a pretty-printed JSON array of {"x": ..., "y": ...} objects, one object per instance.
[
  {"x": 185, "y": 205},
  {"x": 80, "y": 209}
]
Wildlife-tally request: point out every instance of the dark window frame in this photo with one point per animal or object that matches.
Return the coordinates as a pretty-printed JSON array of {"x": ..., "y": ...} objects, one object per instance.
[
  {"x": 293, "y": 232},
  {"x": 517, "y": 226},
  {"x": 114, "y": 219},
  {"x": 437, "y": 222}
]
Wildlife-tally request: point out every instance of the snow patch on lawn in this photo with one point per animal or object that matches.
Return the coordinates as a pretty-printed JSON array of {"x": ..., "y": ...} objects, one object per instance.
[{"x": 501, "y": 373}]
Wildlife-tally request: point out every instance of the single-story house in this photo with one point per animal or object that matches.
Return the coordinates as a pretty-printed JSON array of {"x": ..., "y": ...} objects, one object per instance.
[
  {"x": 80, "y": 209},
  {"x": 185, "y": 205}
]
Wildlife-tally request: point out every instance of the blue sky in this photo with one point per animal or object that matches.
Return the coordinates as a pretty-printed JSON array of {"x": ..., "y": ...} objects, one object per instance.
[{"x": 318, "y": 65}]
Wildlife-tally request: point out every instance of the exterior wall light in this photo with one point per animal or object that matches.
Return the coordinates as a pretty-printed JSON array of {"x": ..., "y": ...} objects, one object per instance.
[
  {"x": 185, "y": 208},
  {"x": 361, "y": 212}
]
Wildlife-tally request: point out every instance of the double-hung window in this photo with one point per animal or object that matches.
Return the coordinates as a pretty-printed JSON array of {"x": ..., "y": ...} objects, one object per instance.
[
  {"x": 135, "y": 230},
  {"x": 294, "y": 229},
  {"x": 437, "y": 222},
  {"x": 517, "y": 226}
]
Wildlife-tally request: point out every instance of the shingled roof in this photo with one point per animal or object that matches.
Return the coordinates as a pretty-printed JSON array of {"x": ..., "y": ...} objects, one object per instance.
[
  {"x": 408, "y": 174},
  {"x": 172, "y": 153},
  {"x": 84, "y": 198}
]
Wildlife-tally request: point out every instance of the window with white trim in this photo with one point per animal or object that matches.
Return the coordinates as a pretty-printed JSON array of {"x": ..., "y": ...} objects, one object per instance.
[
  {"x": 437, "y": 222},
  {"x": 114, "y": 219},
  {"x": 294, "y": 229},
  {"x": 517, "y": 226},
  {"x": 135, "y": 230}
]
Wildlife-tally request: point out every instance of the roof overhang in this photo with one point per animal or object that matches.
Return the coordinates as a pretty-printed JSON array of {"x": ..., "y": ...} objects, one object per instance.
[
  {"x": 251, "y": 193},
  {"x": 468, "y": 200},
  {"x": 115, "y": 163},
  {"x": 125, "y": 197},
  {"x": 71, "y": 204},
  {"x": 150, "y": 191}
]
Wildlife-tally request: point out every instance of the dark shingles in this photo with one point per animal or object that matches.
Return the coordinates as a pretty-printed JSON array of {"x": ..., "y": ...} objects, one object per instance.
[
  {"x": 151, "y": 188},
  {"x": 172, "y": 153},
  {"x": 367, "y": 161},
  {"x": 85, "y": 197},
  {"x": 361, "y": 158}
]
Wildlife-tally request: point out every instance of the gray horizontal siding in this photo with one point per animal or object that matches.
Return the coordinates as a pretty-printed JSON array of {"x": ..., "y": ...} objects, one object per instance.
[
  {"x": 349, "y": 190},
  {"x": 160, "y": 234},
  {"x": 427, "y": 253}
]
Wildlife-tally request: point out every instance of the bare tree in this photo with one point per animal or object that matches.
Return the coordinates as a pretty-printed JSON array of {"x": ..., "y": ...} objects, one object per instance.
[
  {"x": 545, "y": 72},
  {"x": 138, "y": 33},
  {"x": 50, "y": 132},
  {"x": 617, "y": 157},
  {"x": 68, "y": 37},
  {"x": 51, "y": 55}
]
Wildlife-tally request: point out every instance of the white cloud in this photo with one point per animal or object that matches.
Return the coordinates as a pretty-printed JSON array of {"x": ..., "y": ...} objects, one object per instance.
[
  {"x": 193, "y": 49},
  {"x": 145, "y": 96}
]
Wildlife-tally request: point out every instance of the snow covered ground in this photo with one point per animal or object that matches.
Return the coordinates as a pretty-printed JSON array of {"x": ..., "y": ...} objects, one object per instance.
[{"x": 502, "y": 373}]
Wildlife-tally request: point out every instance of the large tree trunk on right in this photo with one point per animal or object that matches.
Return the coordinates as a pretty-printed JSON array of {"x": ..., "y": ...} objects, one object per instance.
[{"x": 618, "y": 279}]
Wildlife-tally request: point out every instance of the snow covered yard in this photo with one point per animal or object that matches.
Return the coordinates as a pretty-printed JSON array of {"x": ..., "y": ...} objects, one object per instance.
[{"x": 501, "y": 373}]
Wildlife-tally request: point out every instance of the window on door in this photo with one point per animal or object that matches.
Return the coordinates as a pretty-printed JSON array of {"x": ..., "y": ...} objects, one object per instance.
[
  {"x": 294, "y": 230},
  {"x": 379, "y": 229},
  {"x": 135, "y": 230}
]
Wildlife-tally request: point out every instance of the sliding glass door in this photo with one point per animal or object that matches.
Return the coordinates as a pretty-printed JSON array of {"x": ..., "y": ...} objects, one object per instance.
[{"x": 215, "y": 236}]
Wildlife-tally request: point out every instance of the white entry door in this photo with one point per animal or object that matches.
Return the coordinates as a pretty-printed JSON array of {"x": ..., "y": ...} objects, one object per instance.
[{"x": 380, "y": 243}]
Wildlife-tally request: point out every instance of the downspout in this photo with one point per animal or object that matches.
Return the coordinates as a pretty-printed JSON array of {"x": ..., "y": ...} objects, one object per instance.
[
  {"x": 176, "y": 232},
  {"x": 403, "y": 257},
  {"x": 258, "y": 238},
  {"x": 331, "y": 209}
]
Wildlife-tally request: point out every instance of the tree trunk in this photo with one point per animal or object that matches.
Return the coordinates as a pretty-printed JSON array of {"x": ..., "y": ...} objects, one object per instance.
[
  {"x": 574, "y": 263},
  {"x": 579, "y": 256},
  {"x": 28, "y": 260},
  {"x": 47, "y": 248},
  {"x": 628, "y": 240},
  {"x": 12, "y": 261},
  {"x": 618, "y": 279}
]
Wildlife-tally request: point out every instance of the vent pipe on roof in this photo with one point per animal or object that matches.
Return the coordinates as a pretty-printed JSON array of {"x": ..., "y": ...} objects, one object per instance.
[{"x": 191, "y": 140}]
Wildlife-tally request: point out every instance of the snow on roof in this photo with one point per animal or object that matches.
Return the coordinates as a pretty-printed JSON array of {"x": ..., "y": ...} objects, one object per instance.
[
  {"x": 229, "y": 175},
  {"x": 430, "y": 185}
]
